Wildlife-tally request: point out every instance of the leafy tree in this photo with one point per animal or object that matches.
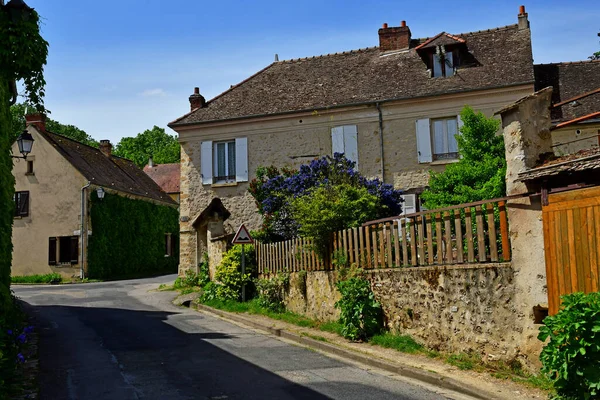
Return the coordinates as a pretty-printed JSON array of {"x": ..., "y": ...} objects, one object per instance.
[
  {"x": 17, "y": 112},
  {"x": 480, "y": 172},
  {"x": 153, "y": 142}
]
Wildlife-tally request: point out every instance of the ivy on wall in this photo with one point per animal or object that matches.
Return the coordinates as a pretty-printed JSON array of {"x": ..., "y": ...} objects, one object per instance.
[
  {"x": 128, "y": 238},
  {"x": 7, "y": 187}
]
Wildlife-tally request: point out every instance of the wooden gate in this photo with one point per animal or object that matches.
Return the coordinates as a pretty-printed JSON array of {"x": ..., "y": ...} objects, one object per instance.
[{"x": 572, "y": 243}]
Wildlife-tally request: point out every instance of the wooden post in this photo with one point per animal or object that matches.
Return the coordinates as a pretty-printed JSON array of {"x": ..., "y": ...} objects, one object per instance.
[
  {"x": 439, "y": 239},
  {"x": 356, "y": 247},
  {"x": 480, "y": 234},
  {"x": 396, "y": 240},
  {"x": 459, "y": 237},
  {"x": 375, "y": 257},
  {"x": 429, "y": 223},
  {"x": 413, "y": 245},
  {"x": 504, "y": 231},
  {"x": 368, "y": 245},
  {"x": 421, "y": 240},
  {"x": 492, "y": 232},
  {"x": 448, "y": 238},
  {"x": 469, "y": 232},
  {"x": 361, "y": 245},
  {"x": 404, "y": 242},
  {"x": 388, "y": 243},
  {"x": 381, "y": 246}
]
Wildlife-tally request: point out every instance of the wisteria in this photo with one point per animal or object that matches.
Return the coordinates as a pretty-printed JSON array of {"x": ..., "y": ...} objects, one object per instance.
[{"x": 273, "y": 189}]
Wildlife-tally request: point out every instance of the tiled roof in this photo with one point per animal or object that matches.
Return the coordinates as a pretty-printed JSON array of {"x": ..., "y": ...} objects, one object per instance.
[
  {"x": 496, "y": 58},
  {"x": 583, "y": 160},
  {"x": 442, "y": 38},
  {"x": 165, "y": 175},
  {"x": 112, "y": 172},
  {"x": 570, "y": 80}
]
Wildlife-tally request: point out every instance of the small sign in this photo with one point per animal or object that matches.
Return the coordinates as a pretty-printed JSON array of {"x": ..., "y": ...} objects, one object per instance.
[{"x": 242, "y": 236}]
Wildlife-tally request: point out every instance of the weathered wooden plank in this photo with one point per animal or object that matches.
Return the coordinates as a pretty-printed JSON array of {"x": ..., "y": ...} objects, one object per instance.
[
  {"x": 550, "y": 256},
  {"x": 413, "y": 245},
  {"x": 572, "y": 250},
  {"x": 388, "y": 245},
  {"x": 469, "y": 234},
  {"x": 361, "y": 246},
  {"x": 504, "y": 231},
  {"x": 459, "y": 237},
  {"x": 480, "y": 234},
  {"x": 439, "y": 239},
  {"x": 585, "y": 277},
  {"x": 594, "y": 231},
  {"x": 448, "y": 237},
  {"x": 404, "y": 242},
  {"x": 558, "y": 199},
  {"x": 345, "y": 245},
  {"x": 368, "y": 246},
  {"x": 381, "y": 246},
  {"x": 356, "y": 247},
  {"x": 396, "y": 239},
  {"x": 492, "y": 232},
  {"x": 421, "y": 240},
  {"x": 430, "y": 252},
  {"x": 374, "y": 241},
  {"x": 563, "y": 248}
]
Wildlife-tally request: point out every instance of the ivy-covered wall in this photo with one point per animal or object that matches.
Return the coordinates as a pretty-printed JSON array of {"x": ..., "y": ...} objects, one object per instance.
[
  {"x": 7, "y": 187},
  {"x": 128, "y": 238}
]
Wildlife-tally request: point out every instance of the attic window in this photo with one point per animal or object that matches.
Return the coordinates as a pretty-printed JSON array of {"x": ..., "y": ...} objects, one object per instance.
[{"x": 443, "y": 62}]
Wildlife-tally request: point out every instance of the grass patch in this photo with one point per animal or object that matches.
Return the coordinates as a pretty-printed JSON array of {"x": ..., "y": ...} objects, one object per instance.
[
  {"x": 403, "y": 343},
  {"x": 465, "y": 361},
  {"x": 331, "y": 327},
  {"x": 47, "y": 278},
  {"x": 315, "y": 337}
]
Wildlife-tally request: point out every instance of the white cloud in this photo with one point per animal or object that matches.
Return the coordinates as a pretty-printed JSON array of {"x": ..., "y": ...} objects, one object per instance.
[{"x": 153, "y": 92}]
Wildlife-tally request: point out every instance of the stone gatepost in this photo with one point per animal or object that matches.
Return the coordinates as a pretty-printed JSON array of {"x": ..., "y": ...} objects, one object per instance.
[{"x": 527, "y": 139}]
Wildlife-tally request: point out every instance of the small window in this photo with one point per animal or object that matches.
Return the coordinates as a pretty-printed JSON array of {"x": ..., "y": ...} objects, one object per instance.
[
  {"x": 29, "y": 168},
  {"x": 21, "y": 204},
  {"x": 168, "y": 245},
  {"x": 443, "y": 135},
  {"x": 443, "y": 64},
  {"x": 224, "y": 162},
  {"x": 63, "y": 250}
]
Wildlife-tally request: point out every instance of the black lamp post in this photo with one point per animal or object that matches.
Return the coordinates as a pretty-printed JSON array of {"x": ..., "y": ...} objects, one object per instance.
[{"x": 25, "y": 142}]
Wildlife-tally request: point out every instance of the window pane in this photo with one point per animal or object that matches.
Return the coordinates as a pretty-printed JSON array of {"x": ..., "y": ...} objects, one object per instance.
[
  {"x": 231, "y": 158},
  {"x": 437, "y": 66},
  {"x": 452, "y": 131},
  {"x": 221, "y": 168},
  {"x": 438, "y": 137},
  {"x": 449, "y": 64}
]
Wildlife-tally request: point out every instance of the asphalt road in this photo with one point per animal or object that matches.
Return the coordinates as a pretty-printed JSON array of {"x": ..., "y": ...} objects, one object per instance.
[{"x": 121, "y": 340}]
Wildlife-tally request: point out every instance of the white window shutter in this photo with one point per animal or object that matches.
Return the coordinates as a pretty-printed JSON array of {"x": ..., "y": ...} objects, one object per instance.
[
  {"x": 241, "y": 159},
  {"x": 337, "y": 140},
  {"x": 423, "y": 140},
  {"x": 206, "y": 162},
  {"x": 409, "y": 206},
  {"x": 351, "y": 143}
]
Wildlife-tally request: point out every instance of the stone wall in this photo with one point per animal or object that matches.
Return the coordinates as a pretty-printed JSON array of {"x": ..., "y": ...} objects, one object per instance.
[{"x": 447, "y": 308}]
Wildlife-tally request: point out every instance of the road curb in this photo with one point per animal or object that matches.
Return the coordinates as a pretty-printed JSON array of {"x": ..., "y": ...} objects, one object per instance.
[{"x": 402, "y": 370}]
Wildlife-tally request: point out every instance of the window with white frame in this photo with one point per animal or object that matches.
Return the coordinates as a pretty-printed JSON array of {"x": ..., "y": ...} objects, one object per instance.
[
  {"x": 442, "y": 64},
  {"x": 436, "y": 138},
  {"x": 224, "y": 161}
]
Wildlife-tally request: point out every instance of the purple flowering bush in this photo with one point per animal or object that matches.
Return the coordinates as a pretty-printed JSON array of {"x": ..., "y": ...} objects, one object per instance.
[
  {"x": 13, "y": 337},
  {"x": 279, "y": 193}
]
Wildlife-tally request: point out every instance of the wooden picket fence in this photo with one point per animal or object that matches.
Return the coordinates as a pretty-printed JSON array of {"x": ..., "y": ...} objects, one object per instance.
[{"x": 464, "y": 234}]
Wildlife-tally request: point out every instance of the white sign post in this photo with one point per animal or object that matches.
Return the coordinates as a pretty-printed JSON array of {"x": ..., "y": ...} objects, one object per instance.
[{"x": 243, "y": 237}]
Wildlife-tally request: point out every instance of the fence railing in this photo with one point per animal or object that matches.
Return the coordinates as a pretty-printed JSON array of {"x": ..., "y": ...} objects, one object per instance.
[{"x": 467, "y": 233}]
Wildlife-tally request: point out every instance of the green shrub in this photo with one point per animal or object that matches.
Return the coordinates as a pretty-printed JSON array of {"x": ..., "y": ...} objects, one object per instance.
[
  {"x": 203, "y": 271},
  {"x": 571, "y": 358},
  {"x": 326, "y": 209},
  {"x": 47, "y": 278},
  {"x": 360, "y": 313},
  {"x": 228, "y": 274},
  {"x": 271, "y": 292},
  {"x": 190, "y": 279}
]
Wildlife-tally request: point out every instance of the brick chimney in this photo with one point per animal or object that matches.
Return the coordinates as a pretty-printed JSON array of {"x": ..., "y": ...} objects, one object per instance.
[
  {"x": 39, "y": 120},
  {"x": 106, "y": 147},
  {"x": 523, "y": 21},
  {"x": 395, "y": 38},
  {"x": 197, "y": 100}
]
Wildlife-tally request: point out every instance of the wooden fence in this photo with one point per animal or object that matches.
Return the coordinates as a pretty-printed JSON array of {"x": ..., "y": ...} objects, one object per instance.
[{"x": 468, "y": 233}]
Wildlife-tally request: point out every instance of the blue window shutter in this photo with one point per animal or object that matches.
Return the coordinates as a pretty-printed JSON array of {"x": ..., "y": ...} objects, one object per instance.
[
  {"x": 423, "y": 141},
  {"x": 206, "y": 169},
  {"x": 337, "y": 140},
  {"x": 351, "y": 143},
  {"x": 241, "y": 159}
]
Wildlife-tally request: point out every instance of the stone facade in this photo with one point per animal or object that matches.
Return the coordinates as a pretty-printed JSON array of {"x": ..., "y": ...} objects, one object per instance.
[{"x": 295, "y": 139}]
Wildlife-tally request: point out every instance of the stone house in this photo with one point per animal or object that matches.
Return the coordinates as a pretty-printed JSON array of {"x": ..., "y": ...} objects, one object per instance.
[
  {"x": 166, "y": 176},
  {"x": 53, "y": 185},
  {"x": 392, "y": 108}
]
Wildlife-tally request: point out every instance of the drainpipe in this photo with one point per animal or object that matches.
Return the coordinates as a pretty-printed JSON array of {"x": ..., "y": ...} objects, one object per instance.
[
  {"x": 378, "y": 105},
  {"x": 81, "y": 231}
]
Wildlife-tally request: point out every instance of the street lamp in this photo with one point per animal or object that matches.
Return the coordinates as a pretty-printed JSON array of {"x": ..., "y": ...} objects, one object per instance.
[
  {"x": 100, "y": 193},
  {"x": 25, "y": 142}
]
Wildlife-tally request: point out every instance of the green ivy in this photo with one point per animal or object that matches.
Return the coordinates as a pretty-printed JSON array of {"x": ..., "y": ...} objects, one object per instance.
[
  {"x": 571, "y": 358},
  {"x": 360, "y": 313},
  {"x": 128, "y": 238},
  {"x": 7, "y": 187}
]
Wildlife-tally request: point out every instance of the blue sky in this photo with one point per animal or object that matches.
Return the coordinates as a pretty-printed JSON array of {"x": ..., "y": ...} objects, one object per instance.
[{"x": 118, "y": 68}]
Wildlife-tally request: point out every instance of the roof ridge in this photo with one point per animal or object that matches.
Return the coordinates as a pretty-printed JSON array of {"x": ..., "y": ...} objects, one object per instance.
[
  {"x": 499, "y": 28},
  {"x": 568, "y": 62},
  {"x": 87, "y": 145},
  {"x": 339, "y": 53}
]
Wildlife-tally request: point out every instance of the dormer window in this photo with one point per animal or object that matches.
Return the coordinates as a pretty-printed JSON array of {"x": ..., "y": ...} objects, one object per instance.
[{"x": 442, "y": 63}]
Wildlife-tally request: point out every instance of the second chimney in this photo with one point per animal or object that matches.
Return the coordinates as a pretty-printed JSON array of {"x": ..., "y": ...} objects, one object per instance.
[
  {"x": 197, "y": 100},
  {"x": 523, "y": 21},
  {"x": 39, "y": 120},
  {"x": 394, "y": 38},
  {"x": 106, "y": 147}
]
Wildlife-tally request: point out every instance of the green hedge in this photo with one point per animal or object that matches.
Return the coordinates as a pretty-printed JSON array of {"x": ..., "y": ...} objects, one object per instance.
[
  {"x": 7, "y": 187},
  {"x": 128, "y": 238}
]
